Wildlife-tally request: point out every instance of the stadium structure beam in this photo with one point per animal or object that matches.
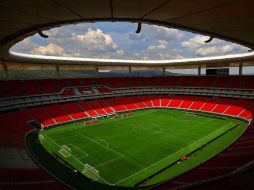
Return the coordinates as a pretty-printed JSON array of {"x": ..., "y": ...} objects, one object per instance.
[
  {"x": 5, "y": 74},
  {"x": 139, "y": 27},
  {"x": 241, "y": 69},
  {"x": 111, "y": 9},
  {"x": 164, "y": 71},
  {"x": 129, "y": 70},
  {"x": 209, "y": 40},
  {"x": 42, "y": 34},
  {"x": 97, "y": 71},
  {"x": 57, "y": 71},
  {"x": 199, "y": 70}
]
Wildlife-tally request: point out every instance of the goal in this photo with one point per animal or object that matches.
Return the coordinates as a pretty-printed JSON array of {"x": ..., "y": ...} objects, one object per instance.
[
  {"x": 65, "y": 151},
  {"x": 91, "y": 172}
]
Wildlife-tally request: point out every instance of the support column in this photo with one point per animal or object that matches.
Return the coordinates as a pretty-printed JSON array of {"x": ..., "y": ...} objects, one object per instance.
[
  {"x": 199, "y": 70},
  {"x": 57, "y": 72},
  {"x": 97, "y": 71},
  {"x": 241, "y": 69},
  {"x": 164, "y": 71},
  {"x": 6, "y": 74},
  {"x": 129, "y": 70}
]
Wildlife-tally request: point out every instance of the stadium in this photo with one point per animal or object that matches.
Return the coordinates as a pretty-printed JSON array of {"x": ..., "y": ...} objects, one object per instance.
[{"x": 102, "y": 123}]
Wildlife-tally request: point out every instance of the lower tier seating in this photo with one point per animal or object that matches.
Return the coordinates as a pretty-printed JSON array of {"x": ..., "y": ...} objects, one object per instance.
[{"x": 14, "y": 126}]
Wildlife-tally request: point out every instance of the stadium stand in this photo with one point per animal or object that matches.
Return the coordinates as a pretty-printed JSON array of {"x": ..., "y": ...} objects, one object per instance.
[
  {"x": 89, "y": 110},
  {"x": 56, "y": 112},
  {"x": 74, "y": 111},
  {"x": 40, "y": 114},
  {"x": 14, "y": 123},
  {"x": 38, "y": 87}
]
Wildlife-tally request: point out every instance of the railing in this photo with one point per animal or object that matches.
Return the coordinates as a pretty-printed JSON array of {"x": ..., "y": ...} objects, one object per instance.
[{"x": 23, "y": 102}]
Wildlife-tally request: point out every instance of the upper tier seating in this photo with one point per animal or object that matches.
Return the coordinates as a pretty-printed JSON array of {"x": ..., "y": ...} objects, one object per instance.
[{"x": 35, "y": 87}]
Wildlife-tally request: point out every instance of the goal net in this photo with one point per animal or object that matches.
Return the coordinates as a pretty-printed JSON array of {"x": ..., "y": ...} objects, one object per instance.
[
  {"x": 65, "y": 151},
  {"x": 91, "y": 172}
]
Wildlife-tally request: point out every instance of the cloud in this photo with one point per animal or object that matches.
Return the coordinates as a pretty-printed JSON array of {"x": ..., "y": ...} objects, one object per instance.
[
  {"x": 197, "y": 47},
  {"x": 64, "y": 41},
  {"x": 161, "y": 45},
  {"x": 93, "y": 43},
  {"x": 150, "y": 33},
  {"x": 154, "y": 43},
  {"x": 25, "y": 46},
  {"x": 158, "y": 51},
  {"x": 51, "y": 49}
]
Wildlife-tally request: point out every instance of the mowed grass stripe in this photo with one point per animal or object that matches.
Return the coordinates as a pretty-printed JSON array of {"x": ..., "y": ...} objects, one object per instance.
[
  {"x": 177, "y": 155},
  {"x": 161, "y": 133}
]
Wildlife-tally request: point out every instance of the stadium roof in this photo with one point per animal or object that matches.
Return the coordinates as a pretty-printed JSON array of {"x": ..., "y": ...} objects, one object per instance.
[{"x": 231, "y": 20}]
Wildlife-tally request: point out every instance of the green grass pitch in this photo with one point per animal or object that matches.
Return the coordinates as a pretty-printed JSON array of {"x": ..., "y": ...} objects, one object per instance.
[{"x": 127, "y": 151}]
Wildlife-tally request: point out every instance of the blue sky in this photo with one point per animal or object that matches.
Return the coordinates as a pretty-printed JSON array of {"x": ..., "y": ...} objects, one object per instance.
[{"x": 119, "y": 41}]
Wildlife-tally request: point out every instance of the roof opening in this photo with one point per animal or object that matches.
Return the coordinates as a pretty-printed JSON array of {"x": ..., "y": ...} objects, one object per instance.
[{"x": 119, "y": 40}]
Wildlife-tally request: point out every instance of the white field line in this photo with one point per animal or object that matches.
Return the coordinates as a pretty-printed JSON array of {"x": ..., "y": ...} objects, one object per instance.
[
  {"x": 173, "y": 135},
  {"x": 124, "y": 118},
  {"x": 65, "y": 129},
  {"x": 69, "y": 137},
  {"x": 108, "y": 161},
  {"x": 162, "y": 133},
  {"x": 170, "y": 155},
  {"x": 81, "y": 157},
  {"x": 152, "y": 131},
  {"x": 79, "y": 149},
  {"x": 60, "y": 147},
  {"x": 178, "y": 138},
  {"x": 104, "y": 141},
  {"x": 123, "y": 156},
  {"x": 77, "y": 159},
  {"x": 99, "y": 164},
  {"x": 101, "y": 145},
  {"x": 63, "y": 154}
]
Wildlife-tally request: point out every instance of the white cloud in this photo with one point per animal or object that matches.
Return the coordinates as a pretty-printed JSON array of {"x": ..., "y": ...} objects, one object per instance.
[
  {"x": 51, "y": 49},
  {"x": 150, "y": 33},
  {"x": 94, "y": 37},
  {"x": 154, "y": 42},
  {"x": 65, "y": 42},
  {"x": 197, "y": 47},
  {"x": 207, "y": 50},
  {"x": 162, "y": 44},
  {"x": 25, "y": 45}
]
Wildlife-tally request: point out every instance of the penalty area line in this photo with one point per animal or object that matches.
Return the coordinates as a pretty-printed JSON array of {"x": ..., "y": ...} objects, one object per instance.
[
  {"x": 101, "y": 145},
  {"x": 78, "y": 160},
  {"x": 170, "y": 155},
  {"x": 104, "y": 163},
  {"x": 79, "y": 150}
]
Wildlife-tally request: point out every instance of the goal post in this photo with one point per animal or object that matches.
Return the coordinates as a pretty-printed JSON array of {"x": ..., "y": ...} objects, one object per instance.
[
  {"x": 91, "y": 172},
  {"x": 65, "y": 151}
]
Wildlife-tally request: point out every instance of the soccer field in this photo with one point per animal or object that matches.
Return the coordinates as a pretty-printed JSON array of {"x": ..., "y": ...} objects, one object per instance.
[{"x": 127, "y": 151}]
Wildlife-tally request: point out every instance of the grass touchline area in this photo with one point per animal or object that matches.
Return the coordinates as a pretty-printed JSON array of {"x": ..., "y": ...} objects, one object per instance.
[{"x": 126, "y": 151}]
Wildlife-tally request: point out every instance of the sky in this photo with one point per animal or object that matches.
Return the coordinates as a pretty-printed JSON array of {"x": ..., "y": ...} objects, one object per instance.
[{"x": 108, "y": 40}]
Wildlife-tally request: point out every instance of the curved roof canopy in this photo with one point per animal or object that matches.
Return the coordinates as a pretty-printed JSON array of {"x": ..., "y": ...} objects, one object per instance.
[{"x": 231, "y": 20}]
